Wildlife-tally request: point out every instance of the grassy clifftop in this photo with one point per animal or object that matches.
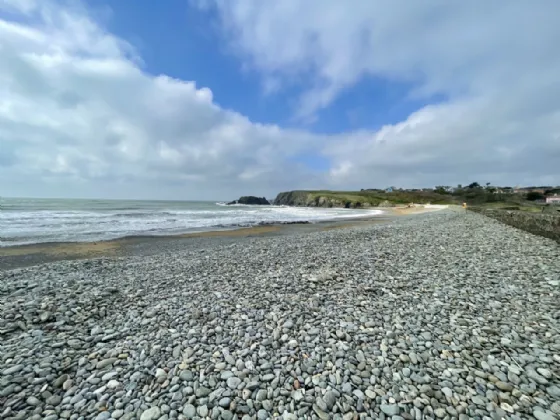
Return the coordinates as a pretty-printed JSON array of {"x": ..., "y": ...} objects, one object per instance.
[{"x": 359, "y": 199}]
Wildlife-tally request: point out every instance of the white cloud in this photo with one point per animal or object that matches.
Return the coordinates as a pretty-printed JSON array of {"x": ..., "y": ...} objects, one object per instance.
[
  {"x": 79, "y": 116},
  {"x": 454, "y": 48},
  {"x": 496, "y": 64}
]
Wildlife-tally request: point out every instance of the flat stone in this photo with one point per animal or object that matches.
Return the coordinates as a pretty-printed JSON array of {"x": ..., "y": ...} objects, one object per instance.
[
  {"x": 151, "y": 414},
  {"x": 440, "y": 412},
  {"x": 186, "y": 375},
  {"x": 553, "y": 391},
  {"x": 54, "y": 400},
  {"x": 544, "y": 415},
  {"x": 189, "y": 411},
  {"x": 202, "y": 410},
  {"x": 233, "y": 382},
  {"x": 251, "y": 386},
  {"x": 117, "y": 414},
  {"x": 105, "y": 362},
  {"x": 478, "y": 400},
  {"x": 504, "y": 386},
  {"x": 226, "y": 415},
  {"x": 202, "y": 391},
  {"x": 322, "y": 415},
  {"x": 545, "y": 373},
  {"x": 13, "y": 369},
  {"x": 261, "y": 395},
  {"x": 8, "y": 390},
  {"x": 330, "y": 399},
  {"x": 390, "y": 409}
]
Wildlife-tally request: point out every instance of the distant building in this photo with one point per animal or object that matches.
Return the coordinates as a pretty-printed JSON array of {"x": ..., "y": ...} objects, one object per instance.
[
  {"x": 555, "y": 199},
  {"x": 390, "y": 189}
]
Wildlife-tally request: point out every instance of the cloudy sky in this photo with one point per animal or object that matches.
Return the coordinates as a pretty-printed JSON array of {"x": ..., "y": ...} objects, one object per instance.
[{"x": 211, "y": 99}]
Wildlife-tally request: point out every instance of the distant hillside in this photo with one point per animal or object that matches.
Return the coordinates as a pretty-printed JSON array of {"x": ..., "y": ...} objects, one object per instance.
[{"x": 360, "y": 199}]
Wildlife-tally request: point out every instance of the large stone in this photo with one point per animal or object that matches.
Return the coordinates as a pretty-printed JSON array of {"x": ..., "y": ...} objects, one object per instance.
[
  {"x": 233, "y": 382},
  {"x": 11, "y": 370},
  {"x": 151, "y": 414},
  {"x": 202, "y": 391},
  {"x": 330, "y": 399},
  {"x": 504, "y": 386},
  {"x": 106, "y": 362},
  {"x": 189, "y": 411},
  {"x": 390, "y": 409},
  {"x": 553, "y": 391},
  {"x": 544, "y": 415}
]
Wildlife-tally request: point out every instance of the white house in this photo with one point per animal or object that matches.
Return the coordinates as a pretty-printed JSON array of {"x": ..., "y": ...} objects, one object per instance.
[{"x": 555, "y": 199}]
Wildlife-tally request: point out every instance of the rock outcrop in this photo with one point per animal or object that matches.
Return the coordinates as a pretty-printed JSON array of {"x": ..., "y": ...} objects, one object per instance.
[{"x": 250, "y": 200}]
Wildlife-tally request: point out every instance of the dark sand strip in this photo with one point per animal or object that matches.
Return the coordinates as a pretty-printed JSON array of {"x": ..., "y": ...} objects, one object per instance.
[{"x": 28, "y": 255}]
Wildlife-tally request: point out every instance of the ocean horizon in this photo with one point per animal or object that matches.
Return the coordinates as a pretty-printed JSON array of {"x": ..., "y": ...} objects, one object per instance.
[{"x": 38, "y": 220}]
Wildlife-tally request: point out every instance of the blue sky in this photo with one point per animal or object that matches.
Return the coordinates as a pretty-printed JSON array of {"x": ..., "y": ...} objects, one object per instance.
[
  {"x": 212, "y": 99},
  {"x": 178, "y": 39}
]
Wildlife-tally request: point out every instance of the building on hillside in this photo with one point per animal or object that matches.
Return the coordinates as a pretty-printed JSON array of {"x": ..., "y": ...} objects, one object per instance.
[
  {"x": 553, "y": 199},
  {"x": 390, "y": 189}
]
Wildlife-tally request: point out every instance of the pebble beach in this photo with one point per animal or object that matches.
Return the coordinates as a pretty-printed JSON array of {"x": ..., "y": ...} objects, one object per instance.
[{"x": 444, "y": 315}]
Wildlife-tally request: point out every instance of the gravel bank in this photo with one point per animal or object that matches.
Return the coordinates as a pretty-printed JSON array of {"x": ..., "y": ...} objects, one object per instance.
[{"x": 443, "y": 315}]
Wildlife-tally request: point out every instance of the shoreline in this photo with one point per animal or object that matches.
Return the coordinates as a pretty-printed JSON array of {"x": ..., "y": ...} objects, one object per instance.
[{"x": 26, "y": 255}]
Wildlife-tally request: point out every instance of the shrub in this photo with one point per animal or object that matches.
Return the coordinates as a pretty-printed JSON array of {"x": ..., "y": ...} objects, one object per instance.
[{"x": 534, "y": 196}]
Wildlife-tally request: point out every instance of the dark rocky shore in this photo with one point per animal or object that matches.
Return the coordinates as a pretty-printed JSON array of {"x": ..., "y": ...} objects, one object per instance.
[{"x": 443, "y": 315}]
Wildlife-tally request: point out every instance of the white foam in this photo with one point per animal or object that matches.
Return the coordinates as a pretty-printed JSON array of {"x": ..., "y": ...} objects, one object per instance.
[{"x": 25, "y": 227}]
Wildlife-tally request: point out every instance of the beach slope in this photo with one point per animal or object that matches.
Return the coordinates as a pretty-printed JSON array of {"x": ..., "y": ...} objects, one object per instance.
[{"x": 445, "y": 314}]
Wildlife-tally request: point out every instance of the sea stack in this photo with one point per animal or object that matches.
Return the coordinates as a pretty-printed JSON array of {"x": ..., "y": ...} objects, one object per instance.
[{"x": 250, "y": 200}]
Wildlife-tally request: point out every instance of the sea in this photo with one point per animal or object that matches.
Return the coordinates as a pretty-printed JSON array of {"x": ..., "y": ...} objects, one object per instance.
[{"x": 33, "y": 220}]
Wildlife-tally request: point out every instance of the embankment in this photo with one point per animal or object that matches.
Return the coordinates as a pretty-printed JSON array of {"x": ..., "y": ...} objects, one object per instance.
[{"x": 547, "y": 225}]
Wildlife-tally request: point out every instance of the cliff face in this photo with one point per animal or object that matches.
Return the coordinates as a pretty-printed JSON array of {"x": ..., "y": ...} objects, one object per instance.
[
  {"x": 293, "y": 198},
  {"x": 328, "y": 199}
]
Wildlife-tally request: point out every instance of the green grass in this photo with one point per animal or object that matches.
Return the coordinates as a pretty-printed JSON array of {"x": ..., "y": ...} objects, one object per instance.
[{"x": 519, "y": 205}]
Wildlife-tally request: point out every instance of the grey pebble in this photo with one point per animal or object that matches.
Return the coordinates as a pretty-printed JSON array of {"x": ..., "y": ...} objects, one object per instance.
[
  {"x": 390, "y": 409},
  {"x": 189, "y": 411}
]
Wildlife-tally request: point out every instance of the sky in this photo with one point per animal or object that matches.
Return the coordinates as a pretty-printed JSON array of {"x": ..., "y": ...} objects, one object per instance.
[{"x": 213, "y": 99}]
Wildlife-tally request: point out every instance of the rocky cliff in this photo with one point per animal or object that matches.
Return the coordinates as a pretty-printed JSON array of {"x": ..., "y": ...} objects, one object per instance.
[{"x": 330, "y": 199}]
